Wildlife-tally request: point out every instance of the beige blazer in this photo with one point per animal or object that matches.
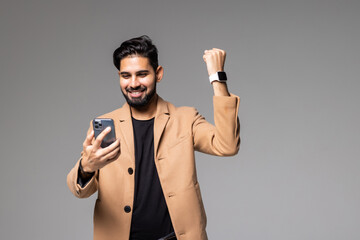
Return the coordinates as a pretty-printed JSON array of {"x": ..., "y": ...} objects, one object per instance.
[{"x": 177, "y": 133}]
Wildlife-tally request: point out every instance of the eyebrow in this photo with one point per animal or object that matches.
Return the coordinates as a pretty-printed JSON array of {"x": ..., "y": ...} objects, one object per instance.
[{"x": 141, "y": 71}]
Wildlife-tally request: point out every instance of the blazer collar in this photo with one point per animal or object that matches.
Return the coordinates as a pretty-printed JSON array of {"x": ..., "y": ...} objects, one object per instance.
[
  {"x": 161, "y": 108},
  {"x": 162, "y": 116}
]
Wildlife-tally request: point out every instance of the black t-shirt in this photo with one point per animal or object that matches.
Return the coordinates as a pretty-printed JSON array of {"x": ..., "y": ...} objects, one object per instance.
[{"x": 150, "y": 217}]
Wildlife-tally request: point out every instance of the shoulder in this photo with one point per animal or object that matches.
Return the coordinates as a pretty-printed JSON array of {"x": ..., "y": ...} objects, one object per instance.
[{"x": 181, "y": 111}]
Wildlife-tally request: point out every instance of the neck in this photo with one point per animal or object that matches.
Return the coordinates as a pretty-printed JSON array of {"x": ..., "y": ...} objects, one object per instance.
[{"x": 146, "y": 112}]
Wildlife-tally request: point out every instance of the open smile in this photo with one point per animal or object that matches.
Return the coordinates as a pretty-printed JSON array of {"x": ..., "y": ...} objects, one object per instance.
[{"x": 136, "y": 93}]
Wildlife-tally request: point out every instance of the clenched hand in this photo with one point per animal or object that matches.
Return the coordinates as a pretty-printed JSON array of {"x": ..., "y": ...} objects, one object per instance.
[{"x": 215, "y": 60}]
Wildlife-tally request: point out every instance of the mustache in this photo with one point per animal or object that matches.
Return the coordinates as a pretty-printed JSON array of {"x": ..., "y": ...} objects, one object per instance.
[{"x": 140, "y": 88}]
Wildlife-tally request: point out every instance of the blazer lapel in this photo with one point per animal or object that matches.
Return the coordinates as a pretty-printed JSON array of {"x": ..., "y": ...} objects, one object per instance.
[
  {"x": 161, "y": 118},
  {"x": 126, "y": 130}
]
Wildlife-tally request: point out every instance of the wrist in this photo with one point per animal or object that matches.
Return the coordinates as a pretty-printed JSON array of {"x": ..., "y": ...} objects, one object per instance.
[
  {"x": 218, "y": 76},
  {"x": 220, "y": 88},
  {"x": 84, "y": 170}
]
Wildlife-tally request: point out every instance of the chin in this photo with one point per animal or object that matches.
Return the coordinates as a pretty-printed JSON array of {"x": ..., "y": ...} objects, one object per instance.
[{"x": 139, "y": 103}]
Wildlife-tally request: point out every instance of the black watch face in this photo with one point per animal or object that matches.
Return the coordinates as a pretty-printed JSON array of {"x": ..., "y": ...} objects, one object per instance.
[{"x": 222, "y": 76}]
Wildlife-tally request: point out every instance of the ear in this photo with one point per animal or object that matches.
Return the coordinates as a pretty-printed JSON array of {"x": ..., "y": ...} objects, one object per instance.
[{"x": 159, "y": 73}]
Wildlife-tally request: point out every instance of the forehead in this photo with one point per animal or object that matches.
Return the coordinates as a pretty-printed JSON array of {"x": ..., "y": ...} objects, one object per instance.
[{"x": 134, "y": 63}]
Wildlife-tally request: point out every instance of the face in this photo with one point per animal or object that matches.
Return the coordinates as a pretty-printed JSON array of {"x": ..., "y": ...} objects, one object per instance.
[{"x": 138, "y": 80}]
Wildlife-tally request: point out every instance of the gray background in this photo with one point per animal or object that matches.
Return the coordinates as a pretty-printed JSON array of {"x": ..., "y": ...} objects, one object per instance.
[{"x": 295, "y": 65}]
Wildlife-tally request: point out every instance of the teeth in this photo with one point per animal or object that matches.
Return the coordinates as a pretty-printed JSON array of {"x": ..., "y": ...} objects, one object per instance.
[{"x": 135, "y": 93}]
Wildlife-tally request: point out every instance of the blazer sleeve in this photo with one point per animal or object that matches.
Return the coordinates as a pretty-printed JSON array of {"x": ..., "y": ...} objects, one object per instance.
[
  {"x": 72, "y": 180},
  {"x": 223, "y": 139}
]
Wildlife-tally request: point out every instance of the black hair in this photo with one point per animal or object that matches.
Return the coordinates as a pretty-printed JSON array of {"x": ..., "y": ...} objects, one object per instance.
[{"x": 141, "y": 46}]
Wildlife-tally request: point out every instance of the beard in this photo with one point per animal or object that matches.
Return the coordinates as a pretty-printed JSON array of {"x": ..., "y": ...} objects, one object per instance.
[{"x": 139, "y": 102}]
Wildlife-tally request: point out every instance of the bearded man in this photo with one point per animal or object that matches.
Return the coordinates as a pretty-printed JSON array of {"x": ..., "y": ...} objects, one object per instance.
[{"x": 146, "y": 180}]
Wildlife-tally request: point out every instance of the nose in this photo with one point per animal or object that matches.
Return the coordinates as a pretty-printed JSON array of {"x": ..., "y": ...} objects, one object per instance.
[{"x": 134, "y": 82}]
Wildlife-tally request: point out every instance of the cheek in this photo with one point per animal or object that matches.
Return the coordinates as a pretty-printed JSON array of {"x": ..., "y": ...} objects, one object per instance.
[
  {"x": 149, "y": 82},
  {"x": 123, "y": 84}
]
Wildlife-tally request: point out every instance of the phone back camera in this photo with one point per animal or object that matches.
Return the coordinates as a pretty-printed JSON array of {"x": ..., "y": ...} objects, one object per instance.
[{"x": 98, "y": 125}]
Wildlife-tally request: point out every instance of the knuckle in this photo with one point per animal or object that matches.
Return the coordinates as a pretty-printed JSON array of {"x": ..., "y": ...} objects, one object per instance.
[
  {"x": 102, "y": 158},
  {"x": 96, "y": 155},
  {"x": 98, "y": 141}
]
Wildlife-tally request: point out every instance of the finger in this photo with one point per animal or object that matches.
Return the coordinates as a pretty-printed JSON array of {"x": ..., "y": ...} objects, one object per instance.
[
  {"x": 101, "y": 136},
  {"x": 115, "y": 154},
  {"x": 218, "y": 50},
  {"x": 217, "y": 53},
  {"x": 204, "y": 57},
  {"x": 111, "y": 155},
  {"x": 88, "y": 139},
  {"x": 110, "y": 148},
  {"x": 207, "y": 54}
]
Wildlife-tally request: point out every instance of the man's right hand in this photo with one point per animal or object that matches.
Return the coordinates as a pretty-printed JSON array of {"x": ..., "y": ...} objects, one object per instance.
[{"x": 94, "y": 156}]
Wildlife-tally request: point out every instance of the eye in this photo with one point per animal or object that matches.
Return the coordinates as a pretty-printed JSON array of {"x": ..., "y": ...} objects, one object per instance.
[
  {"x": 125, "y": 76},
  {"x": 142, "y": 74}
]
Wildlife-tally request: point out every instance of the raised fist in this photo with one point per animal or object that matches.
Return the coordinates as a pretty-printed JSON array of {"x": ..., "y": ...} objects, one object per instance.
[{"x": 215, "y": 60}]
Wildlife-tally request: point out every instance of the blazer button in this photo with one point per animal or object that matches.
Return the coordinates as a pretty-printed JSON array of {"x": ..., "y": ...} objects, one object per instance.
[
  {"x": 130, "y": 171},
  {"x": 127, "y": 209}
]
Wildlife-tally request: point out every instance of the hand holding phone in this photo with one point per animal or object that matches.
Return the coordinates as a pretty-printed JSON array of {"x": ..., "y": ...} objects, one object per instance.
[
  {"x": 99, "y": 124},
  {"x": 104, "y": 150}
]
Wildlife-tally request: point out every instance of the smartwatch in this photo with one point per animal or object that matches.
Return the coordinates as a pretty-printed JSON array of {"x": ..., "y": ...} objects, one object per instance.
[{"x": 218, "y": 76}]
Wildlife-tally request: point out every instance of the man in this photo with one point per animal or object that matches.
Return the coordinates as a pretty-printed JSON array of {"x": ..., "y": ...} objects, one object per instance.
[{"x": 146, "y": 180}]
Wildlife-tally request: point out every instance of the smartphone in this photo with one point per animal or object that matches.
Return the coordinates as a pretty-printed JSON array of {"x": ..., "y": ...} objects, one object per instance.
[{"x": 100, "y": 124}]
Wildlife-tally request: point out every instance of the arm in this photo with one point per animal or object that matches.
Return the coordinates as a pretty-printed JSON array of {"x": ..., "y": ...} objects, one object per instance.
[
  {"x": 82, "y": 182},
  {"x": 76, "y": 186},
  {"x": 215, "y": 61},
  {"x": 224, "y": 138},
  {"x": 83, "y": 177}
]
